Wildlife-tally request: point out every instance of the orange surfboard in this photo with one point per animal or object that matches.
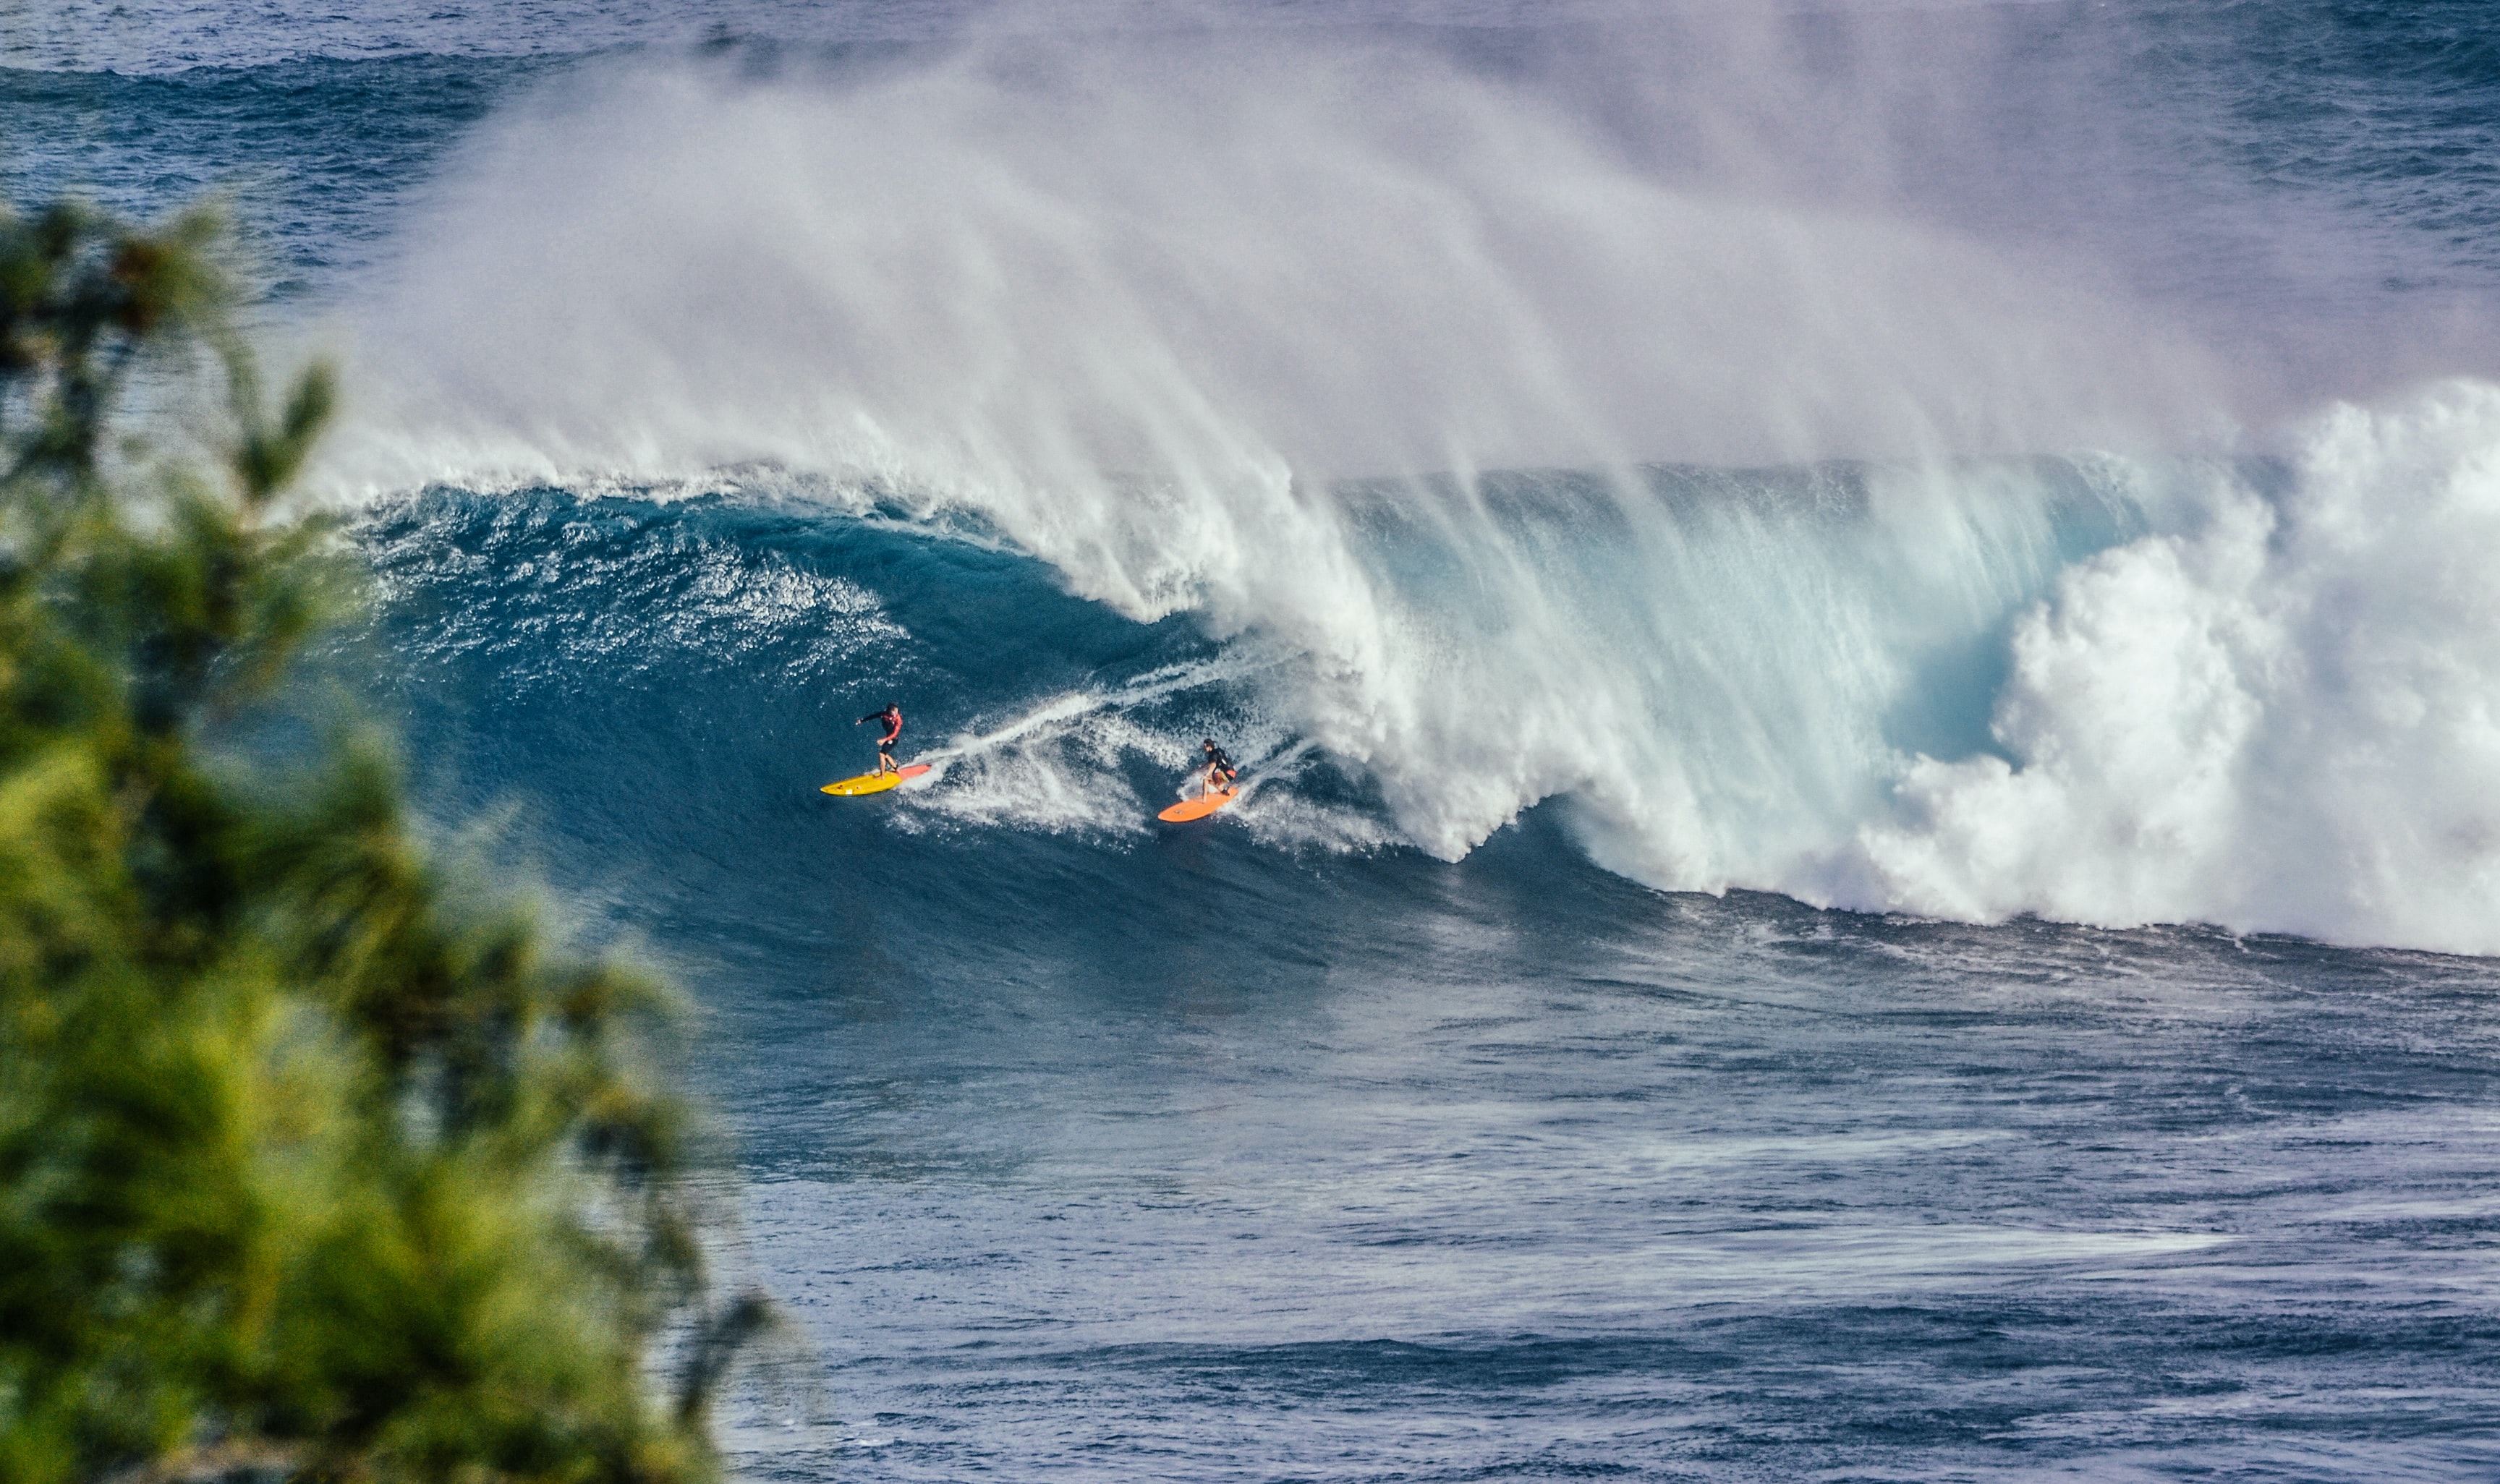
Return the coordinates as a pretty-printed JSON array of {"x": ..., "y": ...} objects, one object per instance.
[
  {"x": 1198, "y": 808},
  {"x": 875, "y": 782}
]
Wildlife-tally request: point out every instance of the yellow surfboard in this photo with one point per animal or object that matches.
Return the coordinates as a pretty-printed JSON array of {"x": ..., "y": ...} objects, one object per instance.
[
  {"x": 1198, "y": 808},
  {"x": 875, "y": 782}
]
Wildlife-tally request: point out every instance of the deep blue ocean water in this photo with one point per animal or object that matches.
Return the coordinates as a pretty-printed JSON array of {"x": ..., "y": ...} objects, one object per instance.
[{"x": 1754, "y": 950}]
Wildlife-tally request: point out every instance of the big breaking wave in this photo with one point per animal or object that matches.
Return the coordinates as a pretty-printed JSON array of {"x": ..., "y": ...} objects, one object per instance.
[{"x": 1153, "y": 331}]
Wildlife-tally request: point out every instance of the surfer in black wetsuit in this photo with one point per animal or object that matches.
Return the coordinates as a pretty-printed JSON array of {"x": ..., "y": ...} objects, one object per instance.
[
  {"x": 1219, "y": 768},
  {"x": 892, "y": 717}
]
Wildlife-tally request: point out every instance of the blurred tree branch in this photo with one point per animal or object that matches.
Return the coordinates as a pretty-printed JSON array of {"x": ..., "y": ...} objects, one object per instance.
[{"x": 305, "y": 1169}]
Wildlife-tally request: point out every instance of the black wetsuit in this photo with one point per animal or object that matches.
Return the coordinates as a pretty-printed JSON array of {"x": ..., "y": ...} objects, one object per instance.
[{"x": 1221, "y": 769}]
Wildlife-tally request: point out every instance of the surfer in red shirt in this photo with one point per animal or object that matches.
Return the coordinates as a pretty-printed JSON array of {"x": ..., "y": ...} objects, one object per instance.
[{"x": 892, "y": 717}]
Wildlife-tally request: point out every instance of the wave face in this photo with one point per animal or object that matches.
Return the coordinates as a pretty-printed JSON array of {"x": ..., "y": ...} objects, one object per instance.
[{"x": 2255, "y": 692}]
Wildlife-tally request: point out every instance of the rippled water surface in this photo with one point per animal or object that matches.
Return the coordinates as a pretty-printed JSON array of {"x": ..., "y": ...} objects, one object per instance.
[{"x": 1538, "y": 1177}]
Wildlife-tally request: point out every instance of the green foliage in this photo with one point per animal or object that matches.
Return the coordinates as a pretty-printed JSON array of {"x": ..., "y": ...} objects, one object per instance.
[{"x": 307, "y": 1169}]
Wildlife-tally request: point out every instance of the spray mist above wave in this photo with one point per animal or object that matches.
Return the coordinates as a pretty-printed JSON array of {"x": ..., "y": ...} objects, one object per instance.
[{"x": 1205, "y": 260}]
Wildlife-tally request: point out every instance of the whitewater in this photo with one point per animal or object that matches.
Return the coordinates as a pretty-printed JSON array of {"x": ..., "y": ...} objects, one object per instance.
[{"x": 1863, "y": 638}]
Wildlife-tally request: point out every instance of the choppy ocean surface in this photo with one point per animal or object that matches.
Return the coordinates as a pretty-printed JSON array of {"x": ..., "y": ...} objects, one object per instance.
[{"x": 1865, "y": 640}]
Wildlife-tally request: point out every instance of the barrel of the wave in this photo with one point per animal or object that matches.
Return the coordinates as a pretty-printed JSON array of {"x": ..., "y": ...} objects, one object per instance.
[
  {"x": 1198, "y": 808},
  {"x": 876, "y": 783}
]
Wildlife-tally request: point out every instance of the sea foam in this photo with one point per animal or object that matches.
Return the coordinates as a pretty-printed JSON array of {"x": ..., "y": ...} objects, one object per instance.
[{"x": 2285, "y": 716}]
